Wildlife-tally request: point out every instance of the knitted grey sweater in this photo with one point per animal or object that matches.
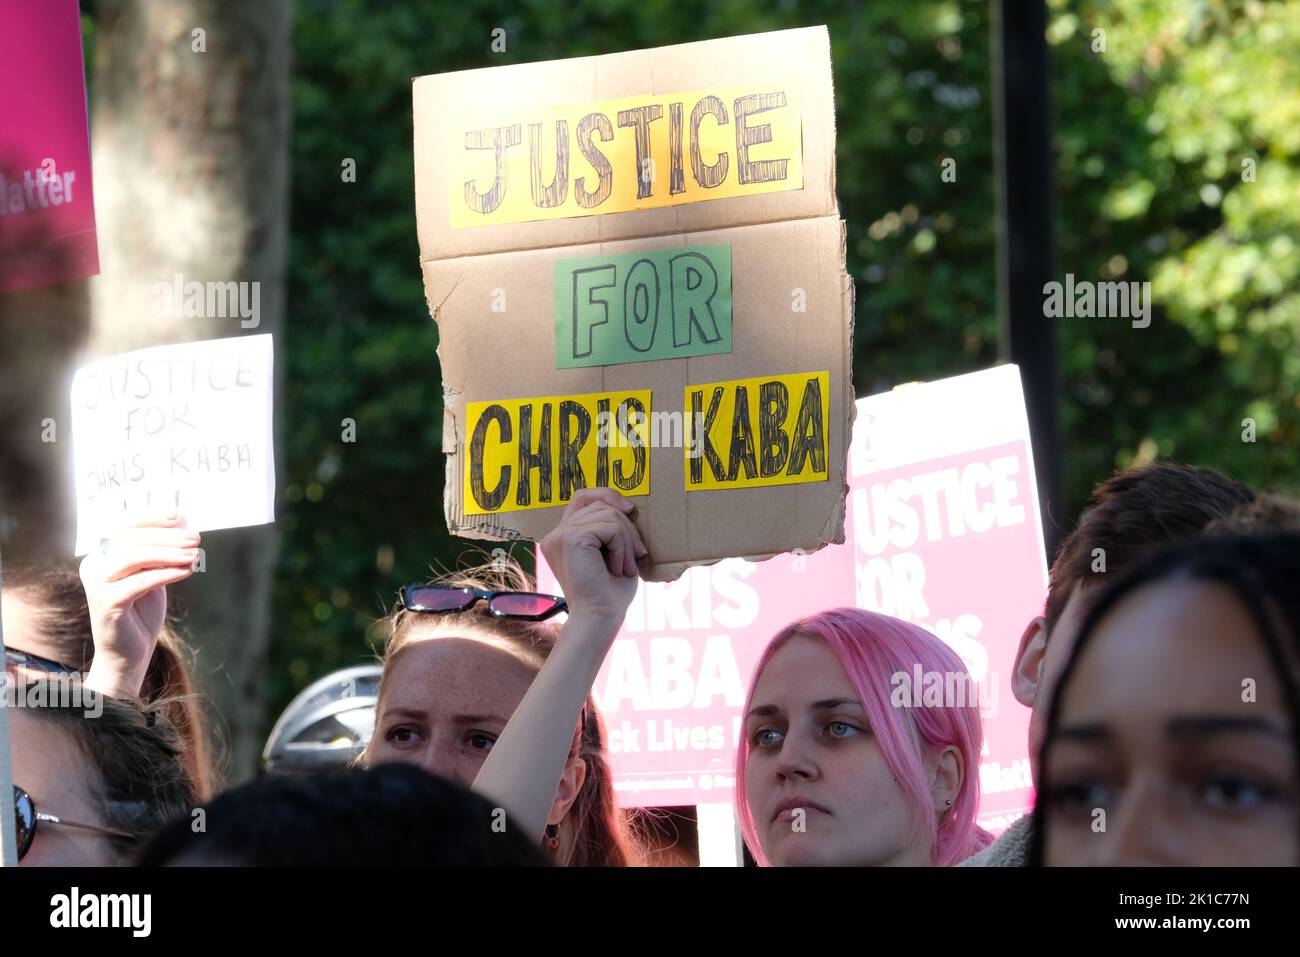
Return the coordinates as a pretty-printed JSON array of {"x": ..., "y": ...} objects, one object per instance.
[{"x": 1009, "y": 850}]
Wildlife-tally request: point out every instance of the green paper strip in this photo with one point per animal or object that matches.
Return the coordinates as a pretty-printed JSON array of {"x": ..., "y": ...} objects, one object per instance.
[{"x": 637, "y": 307}]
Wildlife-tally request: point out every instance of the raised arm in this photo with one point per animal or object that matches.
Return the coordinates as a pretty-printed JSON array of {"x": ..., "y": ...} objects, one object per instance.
[
  {"x": 593, "y": 552},
  {"x": 126, "y": 588}
]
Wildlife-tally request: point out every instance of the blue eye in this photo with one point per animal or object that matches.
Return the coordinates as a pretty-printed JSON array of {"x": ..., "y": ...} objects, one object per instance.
[
  {"x": 841, "y": 729},
  {"x": 766, "y": 737},
  {"x": 1232, "y": 793}
]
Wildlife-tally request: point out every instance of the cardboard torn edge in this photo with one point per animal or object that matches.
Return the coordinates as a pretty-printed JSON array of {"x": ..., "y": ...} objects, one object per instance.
[{"x": 671, "y": 571}]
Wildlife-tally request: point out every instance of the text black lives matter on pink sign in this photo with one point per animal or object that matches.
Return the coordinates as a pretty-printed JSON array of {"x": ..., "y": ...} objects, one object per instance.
[{"x": 47, "y": 205}]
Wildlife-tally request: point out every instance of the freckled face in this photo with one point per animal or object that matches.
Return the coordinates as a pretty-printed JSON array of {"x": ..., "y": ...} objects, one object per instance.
[{"x": 445, "y": 701}]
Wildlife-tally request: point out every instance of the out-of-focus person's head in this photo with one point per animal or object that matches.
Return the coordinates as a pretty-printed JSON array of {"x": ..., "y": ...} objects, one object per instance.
[
  {"x": 97, "y": 776},
  {"x": 46, "y": 621},
  {"x": 1131, "y": 514},
  {"x": 327, "y": 725},
  {"x": 846, "y": 760},
  {"x": 450, "y": 684},
  {"x": 1266, "y": 515},
  {"x": 1172, "y": 736},
  {"x": 388, "y": 815}
]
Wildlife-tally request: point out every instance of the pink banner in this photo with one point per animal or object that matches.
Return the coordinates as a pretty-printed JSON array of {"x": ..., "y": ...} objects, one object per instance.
[
  {"x": 942, "y": 529},
  {"x": 47, "y": 207}
]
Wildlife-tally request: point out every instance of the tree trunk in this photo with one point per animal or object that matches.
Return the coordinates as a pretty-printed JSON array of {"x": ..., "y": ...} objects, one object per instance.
[
  {"x": 190, "y": 129},
  {"x": 41, "y": 331}
]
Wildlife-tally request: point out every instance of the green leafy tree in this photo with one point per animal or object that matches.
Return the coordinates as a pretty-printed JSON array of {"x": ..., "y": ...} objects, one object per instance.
[{"x": 1150, "y": 132}]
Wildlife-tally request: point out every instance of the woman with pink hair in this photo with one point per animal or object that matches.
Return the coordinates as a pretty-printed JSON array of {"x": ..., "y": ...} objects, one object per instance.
[
  {"x": 861, "y": 747},
  {"x": 850, "y": 756}
]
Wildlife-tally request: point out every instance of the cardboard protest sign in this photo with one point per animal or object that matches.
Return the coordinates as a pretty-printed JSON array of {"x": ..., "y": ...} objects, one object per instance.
[
  {"x": 47, "y": 208},
  {"x": 943, "y": 531},
  {"x": 184, "y": 427},
  {"x": 666, "y": 231}
]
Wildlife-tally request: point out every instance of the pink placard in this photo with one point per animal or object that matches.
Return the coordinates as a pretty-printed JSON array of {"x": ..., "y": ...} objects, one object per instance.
[
  {"x": 47, "y": 205},
  {"x": 942, "y": 529}
]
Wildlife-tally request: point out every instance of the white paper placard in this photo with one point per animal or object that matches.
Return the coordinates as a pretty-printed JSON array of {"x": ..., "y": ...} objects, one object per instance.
[{"x": 183, "y": 428}]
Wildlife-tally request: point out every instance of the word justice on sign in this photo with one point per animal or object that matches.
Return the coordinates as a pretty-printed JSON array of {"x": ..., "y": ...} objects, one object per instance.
[
  {"x": 945, "y": 503},
  {"x": 149, "y": 378},
  {"x": 625, "y": 144}
]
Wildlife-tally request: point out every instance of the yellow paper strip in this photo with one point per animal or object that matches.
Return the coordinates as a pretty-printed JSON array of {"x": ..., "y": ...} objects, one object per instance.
[
  {"x": 768, "y": 430},
  {"x": 535, "y": 453},
  {"x": 637, "y": 152}
]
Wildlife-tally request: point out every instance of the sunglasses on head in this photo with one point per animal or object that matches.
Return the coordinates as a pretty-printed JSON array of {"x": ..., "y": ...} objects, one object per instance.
[
  {"x": 528, "y": 605},
  {"x": 25, "y": 659},
  {"x": 26, "y": 818},
  {"x": 443, "y": 599}
]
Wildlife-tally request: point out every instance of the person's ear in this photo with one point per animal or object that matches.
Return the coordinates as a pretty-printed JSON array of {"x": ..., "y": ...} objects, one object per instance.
[
  {"x": 946, "y": 779},
  {"x": 1029, "y": 662},
  {"x": 575, "y": 773}
]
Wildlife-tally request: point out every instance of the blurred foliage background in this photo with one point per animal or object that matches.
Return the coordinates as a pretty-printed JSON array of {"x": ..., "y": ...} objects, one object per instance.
[{"x": 1177, "y": 151}]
